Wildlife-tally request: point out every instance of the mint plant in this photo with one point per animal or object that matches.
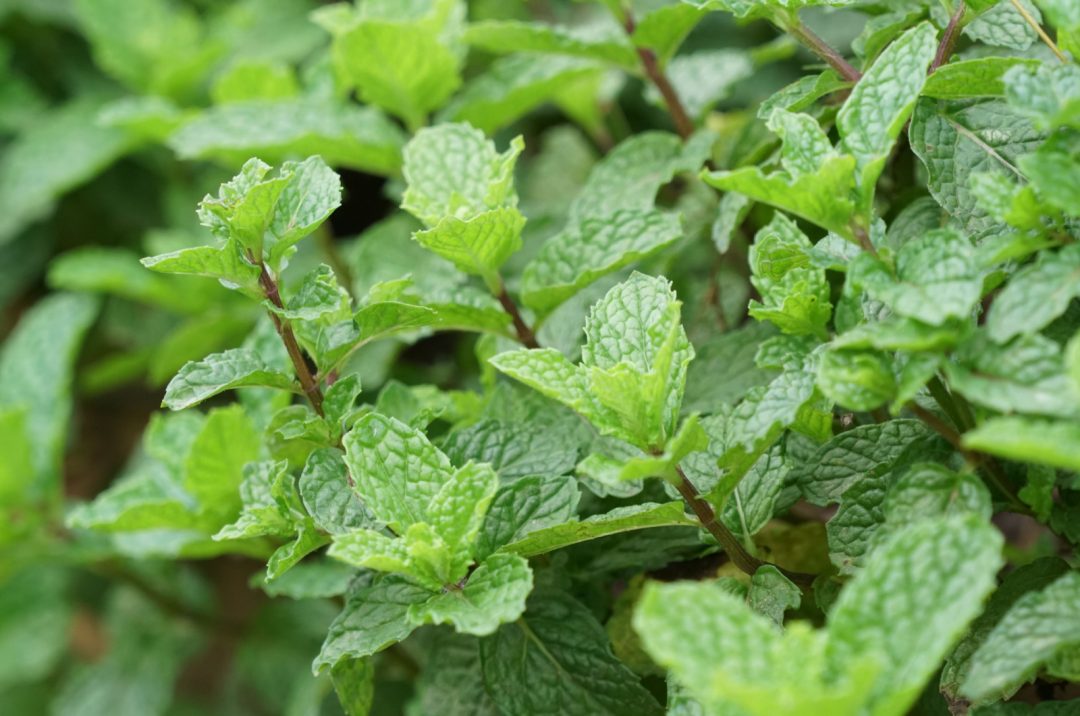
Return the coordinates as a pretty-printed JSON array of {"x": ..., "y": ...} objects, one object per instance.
[{"x": 678, "y": 357}]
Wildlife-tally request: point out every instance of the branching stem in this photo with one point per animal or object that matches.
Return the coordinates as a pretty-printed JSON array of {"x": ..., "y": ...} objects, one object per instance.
[
  {"x": 284, "y": 329},
  {"x": 649, "y": 62},
  {"x": 948, "y": 39},
  {"x": 731, "y": 544},
  {"x": 822, "y": 49},
  {"x": 526, "y": 335}
]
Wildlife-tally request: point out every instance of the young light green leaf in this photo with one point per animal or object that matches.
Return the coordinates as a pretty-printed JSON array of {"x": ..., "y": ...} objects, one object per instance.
[
  {"x": 478, "y": 245},
  {"x": 856, "y": 379},
  {"x": 494, "y": 594},
  {"x": 214, "y": 468},
  {"x": 1046, "y": 93},
  {"x": 1037, "y": 627},
  {"x": 794, "y": 294},
  {"x": 226, "y": 263},
  {"x": 234, "y": 368},
  {"x": 324, "y": 489},
  {"x": 457, "y": 510},
  {"x": 423, "y": 74},
  {"x": 981, "y": 77},
  {"x": 454, "y": 170},
  {"x": 396, "y": 469}
]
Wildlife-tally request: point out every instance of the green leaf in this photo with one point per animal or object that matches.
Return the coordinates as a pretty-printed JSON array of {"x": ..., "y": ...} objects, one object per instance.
[
  {"x": 396, "y": 470},
  {"x": 267, "y": 215},
  {"x": 247, "y": 80},
  {"x": 929, "y": 489},
  {"x": 60, "y": 151},
  {"x": 36, "y": 376},
  {"x": 704, "y": 78},
  {"x": 881, "y": 102},
  {"x": 936, "y": 278},
  {"x": 1023, "y": 580},
  {"x": 856, "y": 379},
  {"x": 1042, "y": 441},
  {"x": 226, "y": 263},
  {"x": 1027, "y": 375},
  {"x": 1036, "y": 295},
  {"x": 509, "y": 36},
  {"x": 452, "y": 681},
  {"x": 1036, "y": 628},
  {"x": 453, "y": 170},
  {"x": 478, "y": 245},
  {"x": 664, "y": 29},
  {"x": 735, "y": 661},
  {"x": 866, "y": 450},
  {"x": 118, "y": 272},
  {"x": 771, "y": 593},
  {"x": 457, "y": 510},
  {"x": 591, "y": 249},
  {"x": 402, "y": 67},
  {"x": 526, "y": 506},
  {"x": 1003, "y": 26},
  {"x": 374, "y": 617},
  {"x": 261, "y": 513},
  {"x": 982, "y": 77},
  {"x": 1046, "y": 93},
  {"x": 516, "y": 84},
  {"x": 35, "y": 620},
  {"x": 234, "y": 368},
  {"x": 621, "y": 519},
  {"x": 956, "y": 139},
  {"x": 360, "y": 138},
  {"x": 214, "y": 468},
  {"x": 907, "y": 610},
  {"x": 794, "y": 294},
  {"x": 354, "y": 682},
  {"x": 494, "y": 594},
  {"x": 1053, "y": 173},
  {"x": 823, "y": 197},
  {"x": 327, "y": 496},
  {"x": 557, "y": 656}
]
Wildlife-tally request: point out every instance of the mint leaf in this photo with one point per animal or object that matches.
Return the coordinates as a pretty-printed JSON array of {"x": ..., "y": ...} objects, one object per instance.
[
  {"x": 478, "y": 245},
  {"x": 357, "y": 137},
  {"x": 36, "y": 376},
  {"x": 558, "y": 656},
  {"x": 982, "y": 77},
  {"x": 226, "y": 263},
  {"x": 324, "y": 489},
  {"x": 514, "y": 85},
  {"x": 794, "y": 294},
  {"x": 508, "y": 36},
  {"x": 374, "y": 617},
  {"x": 526, "y": 506},
  {"x": 423, "y": 74},
  {"x": 955, "y": 140},
  {"x": 621, "y": 519},
  {"x": 926, "y": 603},
  {"x": 856, "y": 379},
  {"x": 494, "y": 594},
  {"x": 1037, "y": 627},
  {"x": 379, "y": 451},
  {"x": 591, "y": 249},
  {"x": 881, "y": 102},
  {"x": 234, "y": 368},
  {"x": 1036, "y": 295},
  {"x": 1042, "y": 441}
]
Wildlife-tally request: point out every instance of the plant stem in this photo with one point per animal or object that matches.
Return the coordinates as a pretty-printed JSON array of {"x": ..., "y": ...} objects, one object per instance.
[
  {"x": 683, "y": 124},
  {"x": 1038, "y": 29},
  {"x": 992, "y": 470},
  {"x": 863, "y": 238},
  {"x": 734, "y": 549},
  {"x": 526, "y": 335},
  {"x": 284, "y": 329},
  {"x": 822, "y": 49},
  {"x": 948, "y": 39}
]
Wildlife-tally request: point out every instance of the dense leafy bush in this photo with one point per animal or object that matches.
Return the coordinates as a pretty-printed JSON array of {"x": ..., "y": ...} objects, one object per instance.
[{"x": 774, "y": 413}]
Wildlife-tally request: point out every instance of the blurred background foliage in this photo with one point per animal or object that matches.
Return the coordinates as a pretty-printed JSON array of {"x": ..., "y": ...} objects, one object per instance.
[{"x": 116, "y": 117}]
